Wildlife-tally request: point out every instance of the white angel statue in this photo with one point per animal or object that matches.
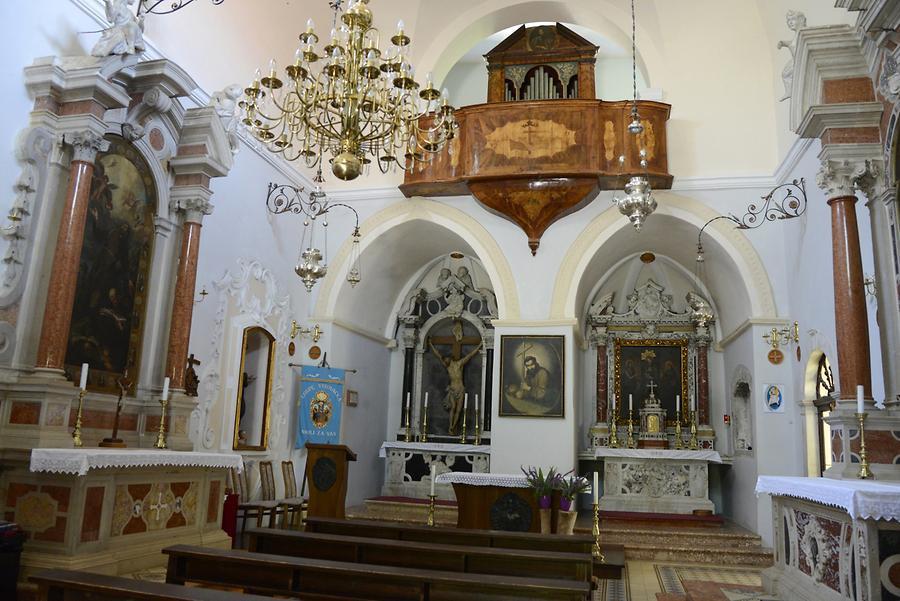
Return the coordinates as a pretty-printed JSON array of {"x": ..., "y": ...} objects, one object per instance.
[{"x": 126, "y": 35}]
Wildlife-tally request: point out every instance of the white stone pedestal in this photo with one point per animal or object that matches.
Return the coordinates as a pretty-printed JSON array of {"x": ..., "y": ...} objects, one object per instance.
[
  {"x": 656, "y": 480},
  {"x": 408, "y": 466}
]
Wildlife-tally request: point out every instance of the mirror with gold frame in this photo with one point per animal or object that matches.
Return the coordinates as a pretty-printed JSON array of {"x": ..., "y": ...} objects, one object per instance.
[{"x": 251, "y": 420}]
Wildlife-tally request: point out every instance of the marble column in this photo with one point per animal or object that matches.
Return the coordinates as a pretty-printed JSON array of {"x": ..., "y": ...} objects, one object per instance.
[
  {"x": 186, "y": 280},
  {"x": 838, "y": 179},
  {"x": 702, "y": 382},
  {"x": 67, "y": 256},
  {"x": 602, "y": 384}
]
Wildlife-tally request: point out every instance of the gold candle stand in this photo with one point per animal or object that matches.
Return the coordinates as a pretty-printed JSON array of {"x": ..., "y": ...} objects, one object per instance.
[
  {"x": 679, "y": 443},
  {"x": 161, "y": 436},
  {"x": 613, "y": 441},
  {"x": 596, "y": 551},
  {"x": 76, "y": 433},
  {"x": 408, "y": 436},
  {"x": 477, "y": 426},
  {"x": 629, "y": 440},
  {"x": 864, "y": 472},
  {"x": 693, "y": 444},
  {"x": 462, "y": 437},
  {"x": 424, "y": 435},
  {"x": 430, "y": 520}
]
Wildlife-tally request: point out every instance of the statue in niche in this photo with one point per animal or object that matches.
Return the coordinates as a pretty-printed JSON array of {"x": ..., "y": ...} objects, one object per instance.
[
  {"x": 454, "y": 362},
  {"x": 125, "y": 36},
  {"x": 796, "y": 21}
]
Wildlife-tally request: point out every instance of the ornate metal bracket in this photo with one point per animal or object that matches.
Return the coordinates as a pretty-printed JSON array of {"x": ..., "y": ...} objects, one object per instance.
[{"x": 153, "y": 7}]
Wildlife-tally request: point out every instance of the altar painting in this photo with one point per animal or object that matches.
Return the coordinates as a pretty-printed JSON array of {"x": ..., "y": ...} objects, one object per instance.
[
  {"x": 664, "y": 362},
  {"x": 110, "y": 297},
  {"x": 532, "y": 372}
]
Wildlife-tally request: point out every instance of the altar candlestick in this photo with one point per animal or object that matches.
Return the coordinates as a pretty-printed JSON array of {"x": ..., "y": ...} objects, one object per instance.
[
  {"x": 165, "y": 392},
  {"x": 678, "y": 406},
  {"x": 630, "y": 406},
  {"x": 596, "y": 488},
  {"x": 433, "y": 472},
  {"x": 84, "y": 375},
  {"x": 694, "y": 403},
  {"x": 426, "y": 403},
  {"x": 860, "y": 399},
  {"x": 407, "y": 402},
  {"x": 465, "y": 403}
]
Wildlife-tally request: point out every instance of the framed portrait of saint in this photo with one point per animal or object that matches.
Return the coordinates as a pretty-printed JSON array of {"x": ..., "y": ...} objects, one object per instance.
[
  {"x": 660, "y": 365},
  {"x": 532, "y": 376}
]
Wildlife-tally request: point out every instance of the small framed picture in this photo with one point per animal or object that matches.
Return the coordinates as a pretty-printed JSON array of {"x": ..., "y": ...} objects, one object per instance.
[
  {"x": 352, "y": 398},
  {"x": 773, "y": 398}
]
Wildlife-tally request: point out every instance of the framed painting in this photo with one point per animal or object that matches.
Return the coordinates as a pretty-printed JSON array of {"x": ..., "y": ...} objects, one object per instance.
[
  {"x": 660, "y": 363},
  {"x": 532, "y": 376},
  {"x": 111, "y": 295}
]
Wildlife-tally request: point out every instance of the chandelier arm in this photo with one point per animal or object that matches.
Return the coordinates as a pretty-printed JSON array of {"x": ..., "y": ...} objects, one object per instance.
[{"x": 346, "y": 206}]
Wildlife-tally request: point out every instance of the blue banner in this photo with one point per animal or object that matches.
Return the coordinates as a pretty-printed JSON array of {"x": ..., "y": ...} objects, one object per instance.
[{"x": 321, "y": 399}]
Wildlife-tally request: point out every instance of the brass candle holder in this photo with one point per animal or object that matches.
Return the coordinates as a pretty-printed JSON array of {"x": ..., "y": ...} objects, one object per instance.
[
  {"x": 430, "y": 520},
  {"x": 161, "y": 436},
  {"x": 679, "y": 443},
  {"x": 629, "y": 440},
  {"x": 613, "y": 442},
  {"x": 864, "y": 472},
  {"x": 693, "y": 444},
  {"x": 462, "y": 437},
  {"x": 595, "y": 550},
  {"x": 408, "y": 436},
  {"x": 76, "y": 433},
  {"x": 424, "y": 435},
  {"x": 477, "y": 426}
]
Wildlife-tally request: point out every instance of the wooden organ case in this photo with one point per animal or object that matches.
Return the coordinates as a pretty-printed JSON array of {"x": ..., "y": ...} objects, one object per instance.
[{"x": 543, "y": 146}]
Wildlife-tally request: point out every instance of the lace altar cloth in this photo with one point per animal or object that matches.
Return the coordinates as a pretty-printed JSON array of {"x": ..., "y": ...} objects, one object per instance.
[
  {"x": 80, "y": 461},
  {"x": 861, "y": 499},
  {"x": 679, "y": 455},
  {"x": 503, "y": 480},
  {"x": 438, "y": 448}
]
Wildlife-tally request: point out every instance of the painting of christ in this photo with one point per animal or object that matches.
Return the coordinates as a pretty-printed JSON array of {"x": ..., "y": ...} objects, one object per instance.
[
  {"x": 662, "y": 363},
  {"x": 110, "y": 297}
]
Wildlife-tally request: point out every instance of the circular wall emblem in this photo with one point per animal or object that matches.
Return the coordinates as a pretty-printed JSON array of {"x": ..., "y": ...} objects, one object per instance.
[
  {"x": 775, "y": 356},
  {"x": 157, "y": 142},
  {"x": 315, "y": 352},
  {"x": 292, "y": 348},
  {"x": 324, "y": 473},
  {"x": 512, "y": 513}
]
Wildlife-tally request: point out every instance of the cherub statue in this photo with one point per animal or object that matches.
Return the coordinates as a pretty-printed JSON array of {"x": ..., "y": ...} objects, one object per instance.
[
  {"x": 701, "y": 312},
  {"x": 796, "y": 21},
  {"x": 126, "y": 35},
  {"x": 226, "y": 104}
]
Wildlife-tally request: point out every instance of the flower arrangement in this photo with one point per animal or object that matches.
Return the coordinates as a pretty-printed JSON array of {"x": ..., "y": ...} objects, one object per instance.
[
  {"x": 542, "y": 484},
  {"x": 569, "y": 488}
]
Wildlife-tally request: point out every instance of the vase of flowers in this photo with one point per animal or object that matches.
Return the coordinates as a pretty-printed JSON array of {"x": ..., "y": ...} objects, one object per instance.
[
  {"x": 570, "y": 487},
  {"x": 543, "y": 486}
]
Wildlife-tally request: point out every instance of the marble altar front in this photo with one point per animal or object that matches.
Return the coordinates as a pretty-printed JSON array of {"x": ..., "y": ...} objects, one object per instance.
[
  {"x": 113, "y": 510},
  {"x": 408, "y": 466},
  {"x": 835, "y": 540},
  {"x": 656, "y": 480}
]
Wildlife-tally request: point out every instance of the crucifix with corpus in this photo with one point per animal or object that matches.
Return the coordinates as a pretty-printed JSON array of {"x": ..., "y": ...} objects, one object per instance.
[{"x": 455, "y": 362}]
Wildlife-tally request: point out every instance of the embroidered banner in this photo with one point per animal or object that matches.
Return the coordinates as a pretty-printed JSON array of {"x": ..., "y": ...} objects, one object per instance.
[{"x": 321, "y": 396}]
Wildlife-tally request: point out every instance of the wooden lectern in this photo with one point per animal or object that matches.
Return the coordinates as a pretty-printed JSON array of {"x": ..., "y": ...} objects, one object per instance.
[{"x": 326, "y": 472}]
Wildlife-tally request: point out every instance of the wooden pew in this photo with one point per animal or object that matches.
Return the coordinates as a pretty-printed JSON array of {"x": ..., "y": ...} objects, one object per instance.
[
  {"x": 56, "y": 585},
  {"x": 321, "y": 580},
  {"x": 428, "y": 556},
  {"x": 611, "y": 569}
]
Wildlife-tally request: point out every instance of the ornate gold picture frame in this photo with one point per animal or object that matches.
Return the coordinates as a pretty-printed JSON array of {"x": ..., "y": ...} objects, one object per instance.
[{"x": 664, "y": 361}]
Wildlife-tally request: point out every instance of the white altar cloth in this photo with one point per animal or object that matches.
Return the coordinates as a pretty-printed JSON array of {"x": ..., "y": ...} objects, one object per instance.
[
  {"x": 435, "y": 447},
  {"x": 861, "y": 499},
  {"x": 80, "y": 461},
  {"x": 678, "y": 455},
  {"x": 505, "y": 480}
]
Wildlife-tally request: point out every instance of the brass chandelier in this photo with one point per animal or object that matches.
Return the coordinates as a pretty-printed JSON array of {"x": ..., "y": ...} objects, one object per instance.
[{"x": 362, "y": 105}]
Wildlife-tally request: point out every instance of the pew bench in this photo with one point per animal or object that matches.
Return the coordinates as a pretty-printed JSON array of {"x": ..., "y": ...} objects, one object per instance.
[
  {"x": 68, "y": 585},
  {"x": 319, "y": 580},
  {"x": 428, "y": 556}
]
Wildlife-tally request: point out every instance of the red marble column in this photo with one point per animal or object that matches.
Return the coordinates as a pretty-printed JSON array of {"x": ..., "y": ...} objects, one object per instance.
[
  {"x": 602, "y": 384},
  {"x": 703, "y": 384},
  {"x": 67, "y": 256},
  {"x": 183, "y": 306},
  {"x": 851, "y": 323}
]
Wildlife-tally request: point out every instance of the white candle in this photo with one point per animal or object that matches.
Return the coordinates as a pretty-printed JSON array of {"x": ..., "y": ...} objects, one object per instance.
[
  {"x": 465, "y": 403},
  {"x": 860, "y": 399},
  {"x": 84, "y": 373},
  {"x": 165, "y": 394},
  {"x": 433, "y": 469},
  {"x": 694, "y": 403},
  {"x": 477, "y": 408},
  {"x": 630, "y": 406},
  {"x": 596, "y": 488},
  {"x": 613, "y": 406},
  {"x": 677, "y": 404},
  {"x": 426, "y": 402}
]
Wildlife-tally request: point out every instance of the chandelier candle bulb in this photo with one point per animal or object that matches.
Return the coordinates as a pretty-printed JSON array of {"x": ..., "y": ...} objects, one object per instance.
[{"x": 84, "y": 375}]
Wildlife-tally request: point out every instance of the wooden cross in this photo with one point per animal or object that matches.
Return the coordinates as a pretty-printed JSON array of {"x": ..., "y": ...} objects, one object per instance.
[
  {"x": 652, "y": 387},
  {"x": 456, "y": 344},
  {"x": 192, "y": 362}
]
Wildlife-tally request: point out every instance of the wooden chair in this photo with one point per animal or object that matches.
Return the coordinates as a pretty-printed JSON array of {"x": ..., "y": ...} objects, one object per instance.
[
  {"x": 250, "y": 509},
  {"x": 293, "y": 504}
]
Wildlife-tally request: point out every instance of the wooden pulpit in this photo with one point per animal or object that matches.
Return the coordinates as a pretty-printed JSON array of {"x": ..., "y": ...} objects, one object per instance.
[{"x": 327, "y": 466}]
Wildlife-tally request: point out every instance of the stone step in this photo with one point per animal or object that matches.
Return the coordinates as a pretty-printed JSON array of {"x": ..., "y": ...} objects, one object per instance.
[
  {"x": 706, "y": 538},
  {"x": 759, "y": 557}
]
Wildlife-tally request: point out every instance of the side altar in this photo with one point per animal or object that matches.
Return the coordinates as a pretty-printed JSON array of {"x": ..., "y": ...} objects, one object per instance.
[
  {"x": 408, "y": 468},
  {"x": 112, "y": 510}
]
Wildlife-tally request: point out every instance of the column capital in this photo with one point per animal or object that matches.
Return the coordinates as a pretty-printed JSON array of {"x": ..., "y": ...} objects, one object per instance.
[
  {"x": 843, "y": 177},
  {"x": 85, "y": 145},
  {"x": 193, "y": 207}
]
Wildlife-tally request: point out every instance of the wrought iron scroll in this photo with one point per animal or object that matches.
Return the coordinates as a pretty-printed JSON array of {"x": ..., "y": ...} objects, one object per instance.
[{"x": 165, "y": 7}]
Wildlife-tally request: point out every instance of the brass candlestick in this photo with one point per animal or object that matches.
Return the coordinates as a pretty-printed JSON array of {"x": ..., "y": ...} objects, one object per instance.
[
  {"x": 613, "y": 442},
  {"x": 76, "y": 433},
  {"x": 424, "y": 435},
  {"x": 430, "y": 520},
  {"x": 477, "y": 427},
  {"x": 864, "y": 472},
  {"x": 408, "y": 436},
  {"x": 629, "y": 440},
  {"x": 693, "y": 444},
  {"x": 596, "y": 551},
  {"x": 679, "y": 443},
  {"x": 161, "y": 436},
  {"x": 462, "y": 437}
]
